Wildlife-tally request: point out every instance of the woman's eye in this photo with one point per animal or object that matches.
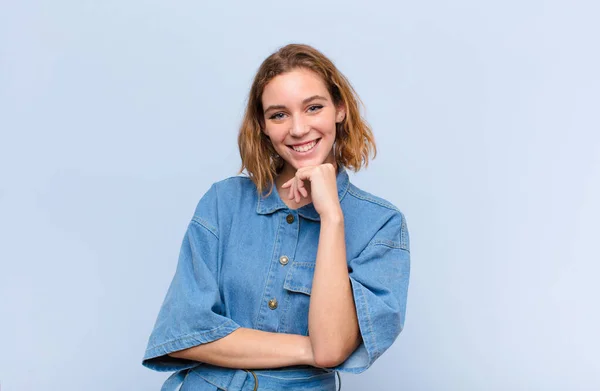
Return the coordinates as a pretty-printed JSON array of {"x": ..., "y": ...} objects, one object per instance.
[
  {"x": 314, "y": 107},
  {"x": 276, "y": 116}
]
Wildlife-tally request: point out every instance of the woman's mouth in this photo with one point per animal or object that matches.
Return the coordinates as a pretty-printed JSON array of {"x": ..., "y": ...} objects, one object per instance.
[{"x": 304, "y": 148}]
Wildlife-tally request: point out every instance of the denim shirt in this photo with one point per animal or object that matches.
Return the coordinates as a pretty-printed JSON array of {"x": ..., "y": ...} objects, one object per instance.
[{"x": 248, "y": 261}]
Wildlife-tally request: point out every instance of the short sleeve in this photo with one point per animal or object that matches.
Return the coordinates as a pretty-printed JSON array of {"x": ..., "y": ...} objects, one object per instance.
[
  {"x": 192, "y": 311},
  {"x": 379, "y": 277}
]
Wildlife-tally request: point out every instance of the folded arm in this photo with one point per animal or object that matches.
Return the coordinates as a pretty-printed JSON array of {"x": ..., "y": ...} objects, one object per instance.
[
  {"x": 333, "y": 323},
  {"x": 250, "y": 348}
]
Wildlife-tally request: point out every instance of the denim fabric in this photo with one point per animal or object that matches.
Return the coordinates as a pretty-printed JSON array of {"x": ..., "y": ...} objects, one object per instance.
[
  {"x": 230, "y": 266},
  {"x": 207, "y": 377}
]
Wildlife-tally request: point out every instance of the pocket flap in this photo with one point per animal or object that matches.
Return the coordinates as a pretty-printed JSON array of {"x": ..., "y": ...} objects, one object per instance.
[{"x": 300, "y": 276}]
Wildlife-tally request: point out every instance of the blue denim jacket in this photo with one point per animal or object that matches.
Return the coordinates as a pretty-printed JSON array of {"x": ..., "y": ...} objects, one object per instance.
[{"x": 240, "y": 251}]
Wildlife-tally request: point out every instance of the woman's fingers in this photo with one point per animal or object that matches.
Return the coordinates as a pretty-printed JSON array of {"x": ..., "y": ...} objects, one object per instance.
[
  {"x": 296, "y": 187},
  {"x": 302, "y": 189},
  {"x": 298, "y": 195}
]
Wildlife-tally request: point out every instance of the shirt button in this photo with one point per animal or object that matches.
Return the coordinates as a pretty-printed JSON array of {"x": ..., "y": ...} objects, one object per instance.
[
  {"x": 284, "y": 260},
  {"x": 273, "y": 304},
  {"x": 290, "y": 218}
]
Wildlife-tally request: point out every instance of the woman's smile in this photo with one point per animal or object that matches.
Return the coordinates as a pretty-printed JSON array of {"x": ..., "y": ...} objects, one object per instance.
[{"x": 305, "y": 149}]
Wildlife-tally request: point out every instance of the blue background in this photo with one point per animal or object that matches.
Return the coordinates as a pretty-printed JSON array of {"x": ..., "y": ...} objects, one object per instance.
[{"x": 115, "y": 117}]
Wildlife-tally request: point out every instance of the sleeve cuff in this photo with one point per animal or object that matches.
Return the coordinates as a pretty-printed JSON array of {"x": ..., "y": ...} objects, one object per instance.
[
  {"x": 366, "y": 353},
  {"x": 156, "y": 356}
]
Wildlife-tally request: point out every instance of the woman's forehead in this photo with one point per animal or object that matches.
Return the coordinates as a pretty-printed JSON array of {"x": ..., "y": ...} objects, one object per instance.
[{"x": 294, "y": 87}]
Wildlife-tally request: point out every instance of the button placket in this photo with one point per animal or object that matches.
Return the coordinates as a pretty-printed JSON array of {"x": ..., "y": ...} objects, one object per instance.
[{"x": 290, "y": 233}]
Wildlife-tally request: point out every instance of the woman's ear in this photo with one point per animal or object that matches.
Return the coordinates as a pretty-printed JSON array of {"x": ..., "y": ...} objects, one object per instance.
[
  {"x": 340, "y": 113},
  {"x": 263, "y": 128}
]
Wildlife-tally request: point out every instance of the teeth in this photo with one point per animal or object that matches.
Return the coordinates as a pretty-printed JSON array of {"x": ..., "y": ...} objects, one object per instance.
[{"x": 305, "y": 147}]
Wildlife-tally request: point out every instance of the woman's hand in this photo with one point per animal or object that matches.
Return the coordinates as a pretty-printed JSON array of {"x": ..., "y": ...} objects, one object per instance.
[{"x": 323, "y": 188}]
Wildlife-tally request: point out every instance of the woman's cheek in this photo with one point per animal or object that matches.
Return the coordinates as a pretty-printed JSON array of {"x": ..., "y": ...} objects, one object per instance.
[{"x": 323, "y": 123}]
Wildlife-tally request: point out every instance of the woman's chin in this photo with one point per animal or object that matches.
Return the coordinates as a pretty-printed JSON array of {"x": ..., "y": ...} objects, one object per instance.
[
  {"x": 307, "y": 163},
  {"x": 296, "y": 164}
]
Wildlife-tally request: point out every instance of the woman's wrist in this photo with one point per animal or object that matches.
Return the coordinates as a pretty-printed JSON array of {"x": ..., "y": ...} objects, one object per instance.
[
  {"x": 306, "y": 352},
  {"x": 334, "y": 217}
]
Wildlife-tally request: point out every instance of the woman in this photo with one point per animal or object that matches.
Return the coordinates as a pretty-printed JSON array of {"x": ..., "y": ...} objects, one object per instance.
[{"x": 290, "y": 274}]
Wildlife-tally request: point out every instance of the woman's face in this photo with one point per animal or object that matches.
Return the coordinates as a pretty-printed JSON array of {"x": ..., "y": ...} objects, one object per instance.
[{"x": 300, "y": 119}]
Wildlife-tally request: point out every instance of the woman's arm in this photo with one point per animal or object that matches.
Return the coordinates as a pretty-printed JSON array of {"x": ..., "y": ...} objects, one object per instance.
[
  {"x": 250, "y": 348},
  {"x": 332, "y": 320}
]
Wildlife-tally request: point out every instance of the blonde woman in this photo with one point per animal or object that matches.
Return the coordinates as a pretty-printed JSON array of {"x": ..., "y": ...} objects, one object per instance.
[{"x": 290, "y": 273}]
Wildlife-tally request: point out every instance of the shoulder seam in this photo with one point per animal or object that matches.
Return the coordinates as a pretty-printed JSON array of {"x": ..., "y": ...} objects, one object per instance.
[
  {"x": 389, "y": 243},
  {"x": 362, "y": 197},
  {"x": 203, "y": 223}
]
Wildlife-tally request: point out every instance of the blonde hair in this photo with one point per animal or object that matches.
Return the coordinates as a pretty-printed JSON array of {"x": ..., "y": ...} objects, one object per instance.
[{"x": 354, "y": 139}]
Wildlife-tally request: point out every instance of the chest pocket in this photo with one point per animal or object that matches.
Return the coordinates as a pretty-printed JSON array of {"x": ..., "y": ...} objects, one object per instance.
[
  {"x": 298, "y": 284},
  {"x": 299, "y": 278}
]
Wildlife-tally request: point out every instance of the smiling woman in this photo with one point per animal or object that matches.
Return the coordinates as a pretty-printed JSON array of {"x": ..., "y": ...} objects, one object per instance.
[
  {"x": 300, "y": 120},
  {"x": 289, "y": 274}
]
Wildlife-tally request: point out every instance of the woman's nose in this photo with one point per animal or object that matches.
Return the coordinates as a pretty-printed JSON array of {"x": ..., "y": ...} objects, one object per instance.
[{"x": 299, "y": 128}]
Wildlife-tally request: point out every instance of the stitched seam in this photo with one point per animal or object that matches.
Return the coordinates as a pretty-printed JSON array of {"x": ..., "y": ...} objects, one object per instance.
[
  {"x": 298, "y": 289},
  {"x": 203, "y": 223},
  {"x": 345, "y": 190},
  {"x": 206, "y": 380},
  {"x": 404, "y": 233},
  {"x": 295, "y": 378},
  {"x": 389, "y": 243},
  {"x": 258, "y": 314},
  {"x": 267, "y": 371},
  {"x": 187, "y": 336},
  {"x": 310, "y": 265},
  {"x": 289, "y": 285},
  {"x": 359, "y": 196},
  {"x": 369, "y": 322}
]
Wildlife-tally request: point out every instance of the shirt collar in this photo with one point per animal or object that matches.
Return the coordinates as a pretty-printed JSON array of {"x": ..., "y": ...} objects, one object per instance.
[{"x": 273, "y": 202}]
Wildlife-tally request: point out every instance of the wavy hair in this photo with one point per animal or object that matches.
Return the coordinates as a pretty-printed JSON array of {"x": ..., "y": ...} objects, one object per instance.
[{"x": 354, "y": 140}]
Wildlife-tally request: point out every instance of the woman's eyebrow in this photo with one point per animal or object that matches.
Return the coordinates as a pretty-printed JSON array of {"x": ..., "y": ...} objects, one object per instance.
[
  {"x": 314, "y": 97},
  {"x": 305, "y": 101}
]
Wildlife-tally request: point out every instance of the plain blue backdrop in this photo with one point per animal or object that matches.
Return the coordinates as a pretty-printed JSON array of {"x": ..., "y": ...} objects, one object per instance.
[{"x": 115, "y": 117}]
